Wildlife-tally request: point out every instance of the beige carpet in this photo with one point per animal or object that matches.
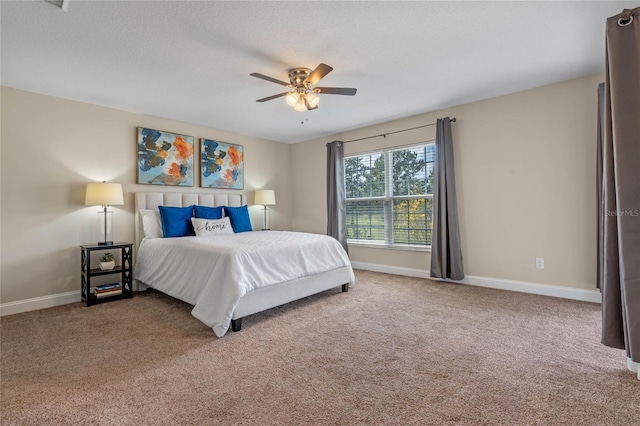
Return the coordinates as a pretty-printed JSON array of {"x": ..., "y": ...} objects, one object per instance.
[{"x": 393, "y": 350}]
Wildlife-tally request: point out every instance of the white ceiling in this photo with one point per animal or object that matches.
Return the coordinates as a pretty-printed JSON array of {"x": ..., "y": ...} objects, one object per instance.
[{"x": 191, "y": 60}]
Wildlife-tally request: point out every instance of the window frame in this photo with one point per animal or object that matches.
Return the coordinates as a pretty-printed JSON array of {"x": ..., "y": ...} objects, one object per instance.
[{"x": 388, "y": 200}]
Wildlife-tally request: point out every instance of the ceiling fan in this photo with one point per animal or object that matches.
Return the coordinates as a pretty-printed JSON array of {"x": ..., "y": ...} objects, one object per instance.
[{"x": 302, "y": 94}]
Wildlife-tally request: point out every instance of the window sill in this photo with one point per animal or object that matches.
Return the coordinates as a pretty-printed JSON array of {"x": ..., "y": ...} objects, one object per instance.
[{"x": 401, "y": 247}]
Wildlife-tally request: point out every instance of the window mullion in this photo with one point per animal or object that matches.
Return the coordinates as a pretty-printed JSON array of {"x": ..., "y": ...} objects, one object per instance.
[{"x": 388, "y": 197}]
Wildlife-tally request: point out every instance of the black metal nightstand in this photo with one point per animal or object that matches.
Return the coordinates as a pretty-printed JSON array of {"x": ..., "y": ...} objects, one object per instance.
[{"x": 125, "y": 269}]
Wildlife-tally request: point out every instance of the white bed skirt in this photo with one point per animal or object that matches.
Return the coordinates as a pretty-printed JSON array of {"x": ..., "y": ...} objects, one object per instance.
[{"x": 264, "y": 298}]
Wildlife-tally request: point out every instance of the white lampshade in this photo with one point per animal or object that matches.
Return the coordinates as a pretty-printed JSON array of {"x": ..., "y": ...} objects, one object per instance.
[
  {"x": 300, "y": 106},
  {"x": 291, "y": 98},
  {"x": 312, "y": 100},
  {"x": 104, "y": 194},
  {"x": 265, "y": 197}
]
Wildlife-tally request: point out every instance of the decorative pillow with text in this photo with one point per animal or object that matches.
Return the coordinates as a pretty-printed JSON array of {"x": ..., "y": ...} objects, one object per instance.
[{"x": 211, "y": 227}]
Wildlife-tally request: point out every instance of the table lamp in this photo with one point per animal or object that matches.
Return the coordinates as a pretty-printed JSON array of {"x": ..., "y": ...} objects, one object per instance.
[
  {"x": 104, "y": 194},
  {"x": 266, "y": 197}
]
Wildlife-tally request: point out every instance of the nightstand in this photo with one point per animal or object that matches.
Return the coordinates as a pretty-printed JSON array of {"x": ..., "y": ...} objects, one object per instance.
[{"x": 124, "y": 269}]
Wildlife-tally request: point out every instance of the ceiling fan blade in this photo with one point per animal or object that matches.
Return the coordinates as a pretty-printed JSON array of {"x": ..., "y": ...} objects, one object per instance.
[
  {"x": 266, "y": 77},
  {"x": 336, "y": 91},
  {"x": 317, "y": 74},
  {"x": 272, "y": 97}
]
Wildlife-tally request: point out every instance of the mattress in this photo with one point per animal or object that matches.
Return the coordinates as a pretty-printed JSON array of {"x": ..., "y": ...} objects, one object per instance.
[{"x": 213, "y": 273}]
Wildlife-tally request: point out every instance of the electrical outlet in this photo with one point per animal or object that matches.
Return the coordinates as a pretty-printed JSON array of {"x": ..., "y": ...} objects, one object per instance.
[{"x": 539, "y": 262}]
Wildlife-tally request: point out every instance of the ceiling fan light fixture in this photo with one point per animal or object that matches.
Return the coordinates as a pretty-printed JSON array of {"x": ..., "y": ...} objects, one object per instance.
[
  {"x": 302, "y": 93},
  {"x": 300, "y": 106},
  {"x": 312, "y": 100},
  {"x": 292, "y": 99}
]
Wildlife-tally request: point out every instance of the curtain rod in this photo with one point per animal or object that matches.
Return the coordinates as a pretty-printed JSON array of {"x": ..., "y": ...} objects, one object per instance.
[{"x": 453, "y": 120}]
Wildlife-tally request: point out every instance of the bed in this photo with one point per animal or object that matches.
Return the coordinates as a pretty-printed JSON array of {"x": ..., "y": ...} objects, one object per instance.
[{"x": 230, "y": 277}]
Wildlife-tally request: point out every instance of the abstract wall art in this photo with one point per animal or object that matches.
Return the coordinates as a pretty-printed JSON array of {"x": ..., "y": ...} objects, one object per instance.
[
  {"x": 164, "y": 158},
  {"x": 221, "y": 164}
]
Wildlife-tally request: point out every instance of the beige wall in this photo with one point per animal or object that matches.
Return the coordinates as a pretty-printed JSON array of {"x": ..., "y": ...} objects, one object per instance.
[
  {"x": 52, "y": 147},
  {"x": 525, "y": 174},
  {"x": 525, "y": 171}
]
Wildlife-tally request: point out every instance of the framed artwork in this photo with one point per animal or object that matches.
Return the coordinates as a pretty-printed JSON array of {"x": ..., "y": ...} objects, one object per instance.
[
  {"x": 221, "y": 164},
  {"x": 164, "y": 158}
]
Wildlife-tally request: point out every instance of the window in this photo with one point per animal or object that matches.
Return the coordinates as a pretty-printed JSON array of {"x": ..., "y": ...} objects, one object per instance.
[{"x": 389, "y": 196}]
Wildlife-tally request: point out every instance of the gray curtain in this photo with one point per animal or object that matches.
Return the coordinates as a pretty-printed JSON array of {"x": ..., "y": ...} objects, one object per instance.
[
  {"x": 599, "y": 187},
  {"x": 446, "y": 254},
  {"x": 336, "y": 193},
  {"x": 620, "y": 190}
]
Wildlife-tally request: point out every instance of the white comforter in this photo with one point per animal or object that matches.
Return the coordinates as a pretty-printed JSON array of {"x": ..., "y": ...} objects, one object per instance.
[{"x": 213, "y": 273}]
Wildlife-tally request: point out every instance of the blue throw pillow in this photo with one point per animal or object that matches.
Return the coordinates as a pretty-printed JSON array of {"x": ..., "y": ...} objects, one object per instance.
[
  {"x": 239, "y": 216},
  {"x": 204, "y": 212},
  {"x": 176, "y": 221}
]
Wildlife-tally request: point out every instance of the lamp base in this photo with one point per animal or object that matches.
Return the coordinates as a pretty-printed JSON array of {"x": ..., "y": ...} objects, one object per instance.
[{"x": 105, "y": 224}]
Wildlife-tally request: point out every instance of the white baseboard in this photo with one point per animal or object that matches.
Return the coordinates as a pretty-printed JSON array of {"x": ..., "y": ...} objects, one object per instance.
[
  {"x": 39, "y": 303},
  {"x": 497, "y": 283},
  {"x": 521, "y": 286},
  {"x": 395, "y": 270}
]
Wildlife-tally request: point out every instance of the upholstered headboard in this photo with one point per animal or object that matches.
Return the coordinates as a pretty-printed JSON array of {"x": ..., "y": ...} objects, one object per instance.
[{"x": 151, "y": 201}]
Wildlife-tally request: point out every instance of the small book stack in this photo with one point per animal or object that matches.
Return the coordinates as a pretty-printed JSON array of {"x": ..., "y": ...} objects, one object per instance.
[{"x": 108, "y": 290}]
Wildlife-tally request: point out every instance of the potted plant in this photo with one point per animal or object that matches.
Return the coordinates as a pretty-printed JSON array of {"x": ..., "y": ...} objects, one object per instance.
[{"x": 107, "y": 262}]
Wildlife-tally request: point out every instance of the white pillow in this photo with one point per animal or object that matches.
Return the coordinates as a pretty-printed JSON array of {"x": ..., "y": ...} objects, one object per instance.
[
  {"x": 209, "y": 227},
  {"x": 151, "y": 225}
]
